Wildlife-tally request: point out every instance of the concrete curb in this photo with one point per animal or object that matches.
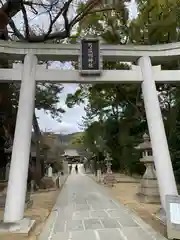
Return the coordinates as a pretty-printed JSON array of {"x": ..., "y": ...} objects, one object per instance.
[{"x": 50, "y": 222}]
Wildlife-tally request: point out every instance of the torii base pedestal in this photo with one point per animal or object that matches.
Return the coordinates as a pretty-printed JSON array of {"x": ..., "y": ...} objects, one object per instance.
[{"x": 22, "y": 227}]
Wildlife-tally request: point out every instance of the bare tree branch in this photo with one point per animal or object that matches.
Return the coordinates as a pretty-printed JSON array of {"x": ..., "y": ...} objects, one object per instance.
[
  {"x": 16, "y": 31},
  {"x": 26, "y": 23},
  {"x": 66, "y": 22},
  {"x": 12, "y": 7},
  {"x": 63, "y": 11},
  {"x": 31, "y": 4},
  {"x": 86, "y": 10}
]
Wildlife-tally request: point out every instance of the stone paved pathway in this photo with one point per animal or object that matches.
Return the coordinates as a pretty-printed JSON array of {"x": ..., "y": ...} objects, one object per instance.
[{"x": 84, "y": 210}]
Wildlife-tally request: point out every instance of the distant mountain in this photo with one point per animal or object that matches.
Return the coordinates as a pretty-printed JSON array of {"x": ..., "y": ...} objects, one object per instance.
[
  {"x": 66, "y": 141},
  {"x": 67, "y": 137}
]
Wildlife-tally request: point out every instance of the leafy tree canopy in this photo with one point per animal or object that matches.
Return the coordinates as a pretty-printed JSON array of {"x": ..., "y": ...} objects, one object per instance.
[{"x": 116, "y": 112}]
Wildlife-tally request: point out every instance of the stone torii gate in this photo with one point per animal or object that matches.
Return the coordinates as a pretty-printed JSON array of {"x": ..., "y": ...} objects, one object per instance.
[{"x": 29, "y": 72}]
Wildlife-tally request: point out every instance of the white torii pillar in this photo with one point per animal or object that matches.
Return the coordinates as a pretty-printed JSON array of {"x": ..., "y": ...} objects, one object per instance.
[
  {"x": 162, "y": 160},
  {"x": 17, "y": 184}
]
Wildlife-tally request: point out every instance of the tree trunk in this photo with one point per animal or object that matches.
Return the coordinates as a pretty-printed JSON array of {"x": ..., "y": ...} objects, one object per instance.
[
  {"x": 5, "y": 92},
  {"x": 38, "y": 157}
]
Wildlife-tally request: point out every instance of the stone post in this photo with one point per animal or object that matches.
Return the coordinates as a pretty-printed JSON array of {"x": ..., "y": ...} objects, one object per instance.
[
  {"x": 50, "y": 173},
  {"x": 99, "y": 175}
]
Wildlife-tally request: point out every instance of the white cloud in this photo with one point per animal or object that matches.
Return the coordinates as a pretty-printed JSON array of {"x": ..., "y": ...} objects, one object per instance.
[
  {"x": 132, "y": 9},
  {"x": 48, "y": 124},
  {"x": 71, "y": 118},
  {"x": 66, "y": 128}
]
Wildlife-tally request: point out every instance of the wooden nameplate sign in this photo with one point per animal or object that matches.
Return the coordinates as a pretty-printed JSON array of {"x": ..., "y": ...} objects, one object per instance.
[{"x": 90, "y": 60}]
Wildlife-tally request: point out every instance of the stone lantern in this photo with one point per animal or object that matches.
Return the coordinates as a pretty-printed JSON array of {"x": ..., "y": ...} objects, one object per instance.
[
  {"x": 108, "y": 160},
  {"x": 109, "y": 178},
  {"x": 148, "y": 191}
]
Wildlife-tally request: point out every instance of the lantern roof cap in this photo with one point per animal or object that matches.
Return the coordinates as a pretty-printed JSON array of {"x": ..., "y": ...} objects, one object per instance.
[{"x": 146, "y": 144}]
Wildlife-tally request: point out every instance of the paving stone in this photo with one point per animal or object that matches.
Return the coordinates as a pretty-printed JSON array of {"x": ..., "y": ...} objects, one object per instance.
[
  {"x": 136, "y": 234},
  {"x": 116, "y": 213},
  {"x": 98, "y": 214},
  {"x": 59, "y": 226},
  {"x": 74, "y": 225},
  {"x": 92, "y": 224},
  {"x": 65, "y": 215},
  {"x": 64, "y": 210},
  {"x": 81, "y": 215},
  {"x": 127, "y": 221},
  {"x": 93, "y": 196},
  {"x": 110, "y": 223},
  {"x": 79, "y": 201},
  {"x": 81, "y": 207},
  {"x": 112, "y": 234},
  {"x": 86, "y": 235},
  {"x": 87, "y": 212},
  {"x": 48, "y": 226},
  {"x": 98, "y": 206},
  {"x": 111, "y": 206},
  {"x": 60, "y": 236}
]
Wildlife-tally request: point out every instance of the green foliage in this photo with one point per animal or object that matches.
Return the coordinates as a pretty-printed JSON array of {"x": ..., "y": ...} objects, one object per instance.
[
  {"x": 47, "y": 98},
  {"x": 156, "y": 23},
  {"x": 110, "y": 25},
  {"x": 115, "y": 113}
]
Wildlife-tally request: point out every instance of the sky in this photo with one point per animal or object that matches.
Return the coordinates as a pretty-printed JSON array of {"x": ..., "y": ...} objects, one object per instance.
[{"x": 72, "y": 117}]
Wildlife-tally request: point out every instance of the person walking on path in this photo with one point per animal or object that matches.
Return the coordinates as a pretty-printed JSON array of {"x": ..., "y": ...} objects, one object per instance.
[
  {"x": 70, "y": 169},
  {"x": 76, "y": 169},
  {"x": 85, "y": 167}
]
